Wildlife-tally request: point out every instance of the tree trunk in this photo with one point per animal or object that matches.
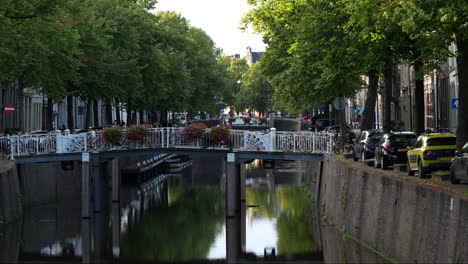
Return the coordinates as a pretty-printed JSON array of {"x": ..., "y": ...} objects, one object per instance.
[
  {"x": 109, "y": 112},
  {"x": 117, "y": 111},
  {"x": 129, "y": 114},
  {"x": 142, "y": 120},
  {"x": 164, "y": 118},
  {"x": 88, "y": 114},
  {"x": 419, "y": 99},
  {"x": 462, "y": 65},
  {"x": 95, "y": 113},
  {"x": 50, "y": 114},
  {"x": 70, "y": 116},
  {"x": 367, "y": 119},
  {"x": 387, "y": 110},
  {"x": 20, "y": 110}
]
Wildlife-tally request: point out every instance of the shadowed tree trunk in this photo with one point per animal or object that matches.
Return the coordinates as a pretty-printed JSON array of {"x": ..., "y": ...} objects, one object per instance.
[
  {"x": 88, "y": 113},
  {"x": 462, "y": 65},
  {"x": 387, "y": 111},
  {"x": 70, "y": 116},
  {"x": 164, "y": 118},
  {"x": 50, "y": 114},
  {"x": 117, "y": 111},
  {"x": 20, "y": 104},
  {"x": 109, "y": 112},
  {"x": 129, "y": 114},
  {"x": 419, "y": 100},
  {"x": 95, "y": 113},
  {"x": 142, "y": 120},
  {"x": 367, "y": 119}
]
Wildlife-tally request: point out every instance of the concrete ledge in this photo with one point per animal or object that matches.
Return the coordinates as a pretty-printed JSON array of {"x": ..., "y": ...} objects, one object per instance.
[
  {"x": 407, "y": 221},
  {"x": 441, "y": 175},
  {"x": 10, "y": 200},
  {"x": 400, "y": 167}
]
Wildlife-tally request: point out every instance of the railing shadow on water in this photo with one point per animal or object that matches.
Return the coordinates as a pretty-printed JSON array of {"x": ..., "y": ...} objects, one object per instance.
[{"x": 171, "y": 137}]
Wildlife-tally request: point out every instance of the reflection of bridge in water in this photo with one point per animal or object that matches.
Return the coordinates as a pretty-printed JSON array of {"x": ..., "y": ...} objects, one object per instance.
[{"x": 95, "y": 155}]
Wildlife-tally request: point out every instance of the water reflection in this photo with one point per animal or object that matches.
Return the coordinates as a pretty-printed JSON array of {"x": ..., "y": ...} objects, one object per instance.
[{"x": 180, "y": 217}]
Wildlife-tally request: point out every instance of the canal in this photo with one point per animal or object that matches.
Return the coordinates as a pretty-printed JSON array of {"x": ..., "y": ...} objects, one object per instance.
[{"x": 178, "y": 216}]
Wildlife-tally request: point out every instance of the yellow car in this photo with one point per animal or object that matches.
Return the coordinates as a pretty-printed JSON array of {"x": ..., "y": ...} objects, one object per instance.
[{"x": 431, "y": 152}]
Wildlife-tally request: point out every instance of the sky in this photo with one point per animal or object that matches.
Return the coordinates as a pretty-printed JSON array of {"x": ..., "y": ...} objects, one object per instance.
[{"x": 220, "y": 19}]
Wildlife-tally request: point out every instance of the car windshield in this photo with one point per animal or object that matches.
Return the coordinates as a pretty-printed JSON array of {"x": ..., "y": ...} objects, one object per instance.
[
  {"x": 374, "y": 137},
  {"x": 323, "y": 123},
  {"x": 441, "y": 141},
  {"x": 403, "y": 139},
  {"x": 465, "y": 148}
]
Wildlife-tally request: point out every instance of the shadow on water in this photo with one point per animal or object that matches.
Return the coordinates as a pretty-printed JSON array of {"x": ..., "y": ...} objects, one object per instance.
[{"x": 180, "y": 218}]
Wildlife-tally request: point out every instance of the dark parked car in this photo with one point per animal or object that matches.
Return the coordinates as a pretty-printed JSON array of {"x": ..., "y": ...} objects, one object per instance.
[
  {"x": 365, "y": 145},
  {"x": 459, "y": 167},
  {"x": 321, "y": 124},
  {"x": 337, "y": 129},
  {"x": 392, "y": 148}
]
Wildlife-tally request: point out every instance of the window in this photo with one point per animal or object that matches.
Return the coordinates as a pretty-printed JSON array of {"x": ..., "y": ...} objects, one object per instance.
[
  {"x": 363, "y": 136},
  {"x": 442, "y": 141},
  {"x": 465, "y": 149},
  {"x": 403, "y": 139},
  {"x": 418, "y": 143},
  {"x": 374, "y": 137}
]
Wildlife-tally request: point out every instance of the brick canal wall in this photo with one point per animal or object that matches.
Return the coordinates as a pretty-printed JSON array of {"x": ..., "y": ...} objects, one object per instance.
[
  {"x": 403, "y": 220},
  {"x": 10, "y": 196}
]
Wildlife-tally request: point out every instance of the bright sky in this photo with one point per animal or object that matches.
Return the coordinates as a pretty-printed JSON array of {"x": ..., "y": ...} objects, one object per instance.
[{"x": 220, "y": 19}]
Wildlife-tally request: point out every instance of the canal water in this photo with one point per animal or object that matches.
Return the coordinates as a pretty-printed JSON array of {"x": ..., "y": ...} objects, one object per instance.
[{"x": 179, "y": 217}]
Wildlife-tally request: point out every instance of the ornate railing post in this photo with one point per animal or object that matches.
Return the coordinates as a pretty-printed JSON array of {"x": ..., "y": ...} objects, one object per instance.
[
  {"x": 12, "y": 148},
  {"x": 168, "y": 137},
  {"x": 272, "y": 139},
  {"x": 245, "y": 140}
]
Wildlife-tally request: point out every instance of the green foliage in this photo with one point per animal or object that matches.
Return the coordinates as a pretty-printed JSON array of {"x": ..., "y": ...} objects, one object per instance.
[
  {"x": 181, "y": 232},
  {"x": 256, "y": 91},
  {"x": 294, "y": 235},
  {"x": 111, "y": 49}
]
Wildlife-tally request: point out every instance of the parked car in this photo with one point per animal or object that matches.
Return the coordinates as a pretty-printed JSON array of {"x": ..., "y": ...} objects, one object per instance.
[
  {"x": 337, "y": 129},
  {"x": 392, "y": 149},
  {"x": 365, "y": 146},
  {"x": 459, "y": 167},
  {"x": 321, "y": 124},
  {"x": 431, "y": 152},
  {"x": 239, "y": 120}
]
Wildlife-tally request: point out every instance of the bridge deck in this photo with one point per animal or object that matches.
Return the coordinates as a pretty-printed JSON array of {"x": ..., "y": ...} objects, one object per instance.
[
  {"x": 270, "y": 144},
  {"x": 212, "y": 152}
]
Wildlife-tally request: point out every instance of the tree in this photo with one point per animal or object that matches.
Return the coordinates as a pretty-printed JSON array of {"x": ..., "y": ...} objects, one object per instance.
[
  {"x": 255, "y": 92},
  {"x": 305, "y": 41},
  {"x": 434, "y": 26},
  {"x": 39, "y": 47}
]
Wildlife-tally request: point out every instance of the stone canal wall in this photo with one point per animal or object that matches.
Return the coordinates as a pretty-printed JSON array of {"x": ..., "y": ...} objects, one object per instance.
[
  {"x": 406, "y": 221},
  {"x": 10, "y": 200},
  {"x": 50, "y": 182}
]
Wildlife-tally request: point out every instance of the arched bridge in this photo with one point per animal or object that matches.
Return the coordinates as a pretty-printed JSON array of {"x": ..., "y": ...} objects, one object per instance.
[{"x": 271, "y": 144}]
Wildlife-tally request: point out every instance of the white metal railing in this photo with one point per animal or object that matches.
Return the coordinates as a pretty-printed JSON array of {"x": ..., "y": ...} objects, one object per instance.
[{"x": 169, "y": 137}]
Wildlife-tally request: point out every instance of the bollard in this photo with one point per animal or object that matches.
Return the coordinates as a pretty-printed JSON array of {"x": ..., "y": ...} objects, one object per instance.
[
  {"x": 115, "y": 230},
  {"x": 85, "y": 187},
  {"x": 86, "y": 240},
  {"x": 242, "y": 181},
  {"x": 98, "y": 185},
  {"x": 232, "y": 186},
  {"x": 115, "y": 180}
]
